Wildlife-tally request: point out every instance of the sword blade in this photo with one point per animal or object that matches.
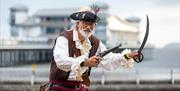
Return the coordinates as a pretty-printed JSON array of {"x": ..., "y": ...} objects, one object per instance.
[{"x": 146, "y": 35}]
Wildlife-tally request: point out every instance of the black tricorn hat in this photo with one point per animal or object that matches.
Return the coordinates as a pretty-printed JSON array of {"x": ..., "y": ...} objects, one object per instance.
[{"x": 85, "y": 16}]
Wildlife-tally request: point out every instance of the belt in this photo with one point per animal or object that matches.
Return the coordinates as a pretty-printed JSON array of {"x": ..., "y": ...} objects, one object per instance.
[{"x": 66, "y": 85}]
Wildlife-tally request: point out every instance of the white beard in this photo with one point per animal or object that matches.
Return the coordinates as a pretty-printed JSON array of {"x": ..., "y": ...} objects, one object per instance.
[{"x": 85, "y": 34}]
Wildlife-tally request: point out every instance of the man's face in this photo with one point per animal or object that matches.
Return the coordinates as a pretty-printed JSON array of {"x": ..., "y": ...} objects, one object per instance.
[{"x": 85, "y": 28}]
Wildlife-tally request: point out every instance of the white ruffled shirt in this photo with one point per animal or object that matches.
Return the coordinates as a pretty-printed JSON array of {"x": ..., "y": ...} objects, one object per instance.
[{"x": 61, "y": 56}]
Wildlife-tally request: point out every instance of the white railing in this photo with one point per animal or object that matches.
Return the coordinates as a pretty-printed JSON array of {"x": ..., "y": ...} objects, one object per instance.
[{"x": 137, "y": 76}]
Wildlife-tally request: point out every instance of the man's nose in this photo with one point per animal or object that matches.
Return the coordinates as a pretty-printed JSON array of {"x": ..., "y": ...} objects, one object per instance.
[{"x": 89, "y": 28}]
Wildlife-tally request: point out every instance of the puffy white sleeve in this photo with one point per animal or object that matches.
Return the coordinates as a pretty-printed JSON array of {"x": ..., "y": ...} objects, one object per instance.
[
  {"x": 61, "y": 55},
  {"x": 114, "y": 60}
]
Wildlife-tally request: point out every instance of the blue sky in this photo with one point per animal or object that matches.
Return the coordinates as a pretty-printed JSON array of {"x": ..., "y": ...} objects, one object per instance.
[{"x": 164, "y": 15}]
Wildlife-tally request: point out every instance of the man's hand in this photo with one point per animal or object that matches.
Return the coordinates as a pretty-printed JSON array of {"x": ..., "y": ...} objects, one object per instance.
[
  {"x": 133, "y": 54},
  {"x": 92, "y": 61}
]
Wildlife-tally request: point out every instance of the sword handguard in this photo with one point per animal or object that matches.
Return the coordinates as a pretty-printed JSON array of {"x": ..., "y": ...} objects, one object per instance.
[{"x": 140, "y": 58}]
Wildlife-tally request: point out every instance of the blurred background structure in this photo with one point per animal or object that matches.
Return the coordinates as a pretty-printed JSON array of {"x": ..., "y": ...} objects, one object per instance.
[{"x": 28, "y": 30}]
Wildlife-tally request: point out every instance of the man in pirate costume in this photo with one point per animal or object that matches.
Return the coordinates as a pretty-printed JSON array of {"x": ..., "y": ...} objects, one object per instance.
[{"x": 75, "y": 52}]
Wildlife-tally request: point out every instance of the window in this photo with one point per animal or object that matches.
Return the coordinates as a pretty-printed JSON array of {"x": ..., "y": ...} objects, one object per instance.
[{"x": 50, "y": 30}]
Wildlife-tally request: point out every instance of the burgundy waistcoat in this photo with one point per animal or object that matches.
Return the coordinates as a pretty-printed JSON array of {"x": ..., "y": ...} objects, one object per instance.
[{"x": 58, "y": 74}]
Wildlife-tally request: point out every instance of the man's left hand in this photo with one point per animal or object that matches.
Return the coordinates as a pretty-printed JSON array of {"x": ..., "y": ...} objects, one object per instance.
[{"x": 133, "y": 54}]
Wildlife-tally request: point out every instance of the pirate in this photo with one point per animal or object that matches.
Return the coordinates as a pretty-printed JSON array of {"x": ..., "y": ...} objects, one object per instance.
[{"x": 75, "y": 52}]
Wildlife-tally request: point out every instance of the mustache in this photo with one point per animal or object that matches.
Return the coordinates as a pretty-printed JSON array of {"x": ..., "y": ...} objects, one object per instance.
[{"x": 87, "y": 30}]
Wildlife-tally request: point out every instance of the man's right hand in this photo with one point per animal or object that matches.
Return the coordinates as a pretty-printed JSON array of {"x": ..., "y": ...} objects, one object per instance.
[{"x": 92, "y": 61}]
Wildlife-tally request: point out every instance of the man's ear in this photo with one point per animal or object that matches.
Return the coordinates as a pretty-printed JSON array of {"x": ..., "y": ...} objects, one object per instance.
[
  {"x": 77, "y": 25},
  {"x": 77, "y": 22}
]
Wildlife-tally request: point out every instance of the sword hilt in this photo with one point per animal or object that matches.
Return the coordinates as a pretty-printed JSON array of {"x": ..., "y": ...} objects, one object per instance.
[{"x": 140, "y": 58}]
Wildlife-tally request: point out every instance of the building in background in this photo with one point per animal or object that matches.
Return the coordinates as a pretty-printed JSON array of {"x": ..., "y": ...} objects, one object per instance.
[
  {"x": 43, "y": 27},
  {"x": 46, "y": 24},
  {"x": 120, "y": 30},
  {"x": 25, "y": 29}
]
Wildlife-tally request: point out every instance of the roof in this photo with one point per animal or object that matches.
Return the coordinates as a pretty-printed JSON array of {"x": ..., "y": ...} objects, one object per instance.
[
  {"x": 117, "y": 24},
  {"x": 19, "y": 7},
  {"x": 55, "y": 12},
  {"x": 53, "y": 24},
  {"x": 134, "y": 19}
]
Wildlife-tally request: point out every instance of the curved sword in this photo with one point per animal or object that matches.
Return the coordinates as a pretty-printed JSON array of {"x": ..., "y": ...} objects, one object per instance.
[{"x": 140, "y": 56}]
